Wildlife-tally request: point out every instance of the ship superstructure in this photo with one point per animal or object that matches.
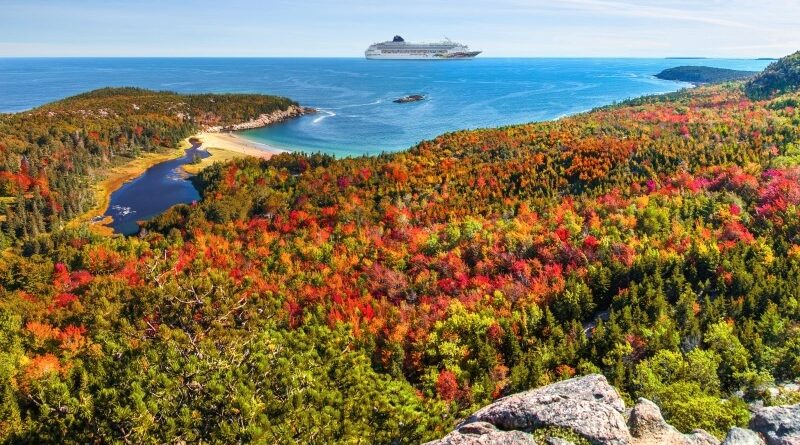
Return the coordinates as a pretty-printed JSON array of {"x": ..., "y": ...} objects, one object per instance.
[{"x": 399, "y": 49}]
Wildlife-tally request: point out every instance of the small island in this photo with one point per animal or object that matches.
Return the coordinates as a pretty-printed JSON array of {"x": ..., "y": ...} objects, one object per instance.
[
  {"x": 410, "y": 98},
  {"x": 703, "y": 74}
]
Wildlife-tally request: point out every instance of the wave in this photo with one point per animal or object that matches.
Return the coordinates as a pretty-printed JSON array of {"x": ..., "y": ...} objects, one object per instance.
[
  {"x": 327, "y": 114},
  {"x": 122, "y": 210},
  {"x": 359, "y": 105}
]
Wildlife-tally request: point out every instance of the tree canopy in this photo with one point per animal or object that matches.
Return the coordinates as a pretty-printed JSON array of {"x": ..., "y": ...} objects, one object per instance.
[{"x": 380, "y": 299}]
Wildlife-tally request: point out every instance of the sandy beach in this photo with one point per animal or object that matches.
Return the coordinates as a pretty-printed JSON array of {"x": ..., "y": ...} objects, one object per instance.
[
  {"x": 232, "y": 142},
  {"x": 221, "y": 146}
]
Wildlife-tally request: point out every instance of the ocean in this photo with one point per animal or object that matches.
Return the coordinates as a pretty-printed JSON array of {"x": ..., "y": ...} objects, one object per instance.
[{"x": 354, "y": 95}]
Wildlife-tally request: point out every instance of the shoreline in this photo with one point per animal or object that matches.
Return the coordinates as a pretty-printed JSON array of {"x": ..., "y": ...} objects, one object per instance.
[
  {"x": 264, "y": 120},
  {"x": 222, "y": 142},
  {"x": 233, "y": 142},
  {"x": 222, "y": 145},
  {"x": 116, "y": 177}
]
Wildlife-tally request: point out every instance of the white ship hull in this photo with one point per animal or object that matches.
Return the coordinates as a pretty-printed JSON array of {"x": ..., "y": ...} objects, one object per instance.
[
  {"x": 399, "y": 49},
  {"x": 420, "y": 56}
]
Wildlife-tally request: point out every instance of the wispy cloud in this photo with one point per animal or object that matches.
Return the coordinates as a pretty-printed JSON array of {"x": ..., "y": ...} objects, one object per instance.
[
  {"x": 648, "y": 28},
  {"x": 643, "y": 10}
]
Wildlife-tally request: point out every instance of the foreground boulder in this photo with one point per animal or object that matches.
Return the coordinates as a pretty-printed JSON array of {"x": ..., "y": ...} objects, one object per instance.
[
  {"x": 588, "y": 406},
  {"x": 741, "y": 436},
  {"x": 648, "y": 426},
  {"x": 779, "y": 425},
  {"x": 591, "y": 410},
  {"x": 482, "y": 433}
]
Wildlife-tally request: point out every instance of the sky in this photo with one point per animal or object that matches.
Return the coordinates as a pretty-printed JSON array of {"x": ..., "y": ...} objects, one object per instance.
[{"x": 321, "y": 28}]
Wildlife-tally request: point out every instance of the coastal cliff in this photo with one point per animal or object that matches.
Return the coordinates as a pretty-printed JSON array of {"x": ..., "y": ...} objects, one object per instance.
[
  {"x": 264, "y": 119},
  {"x": 587, "y": 410}
]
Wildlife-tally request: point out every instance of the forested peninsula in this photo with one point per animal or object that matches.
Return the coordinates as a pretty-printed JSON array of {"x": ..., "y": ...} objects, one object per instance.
[
  {"x": 51, "y": 156},
  {"x": 703, "y": 74},
  {"x": 307, "y": 299}
]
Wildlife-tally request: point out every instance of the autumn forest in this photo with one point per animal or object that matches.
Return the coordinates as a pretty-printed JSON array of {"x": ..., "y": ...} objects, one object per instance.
[{"x": 308, "y": 299}]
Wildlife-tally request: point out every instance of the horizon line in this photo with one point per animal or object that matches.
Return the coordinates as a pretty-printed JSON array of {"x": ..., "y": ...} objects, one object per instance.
[{"x": 379, "y": 61}]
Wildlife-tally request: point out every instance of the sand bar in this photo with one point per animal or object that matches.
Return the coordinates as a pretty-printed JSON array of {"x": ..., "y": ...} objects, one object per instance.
[{"x": 232, "y": 142}]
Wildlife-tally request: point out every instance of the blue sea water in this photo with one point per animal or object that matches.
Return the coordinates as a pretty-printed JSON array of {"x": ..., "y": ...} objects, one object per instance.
[
  {"x": 354, "y": 96},
  {"x": 357, "y": 115}
]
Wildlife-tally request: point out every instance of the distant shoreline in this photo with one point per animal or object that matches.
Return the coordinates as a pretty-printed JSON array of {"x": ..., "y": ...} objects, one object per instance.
[{"x": 700, "y": 75}]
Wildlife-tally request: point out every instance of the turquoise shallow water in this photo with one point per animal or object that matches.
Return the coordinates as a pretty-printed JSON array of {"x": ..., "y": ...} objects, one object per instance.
[
  {"x": 355, "y": 95},
  {"x": 357, "y": 115}
]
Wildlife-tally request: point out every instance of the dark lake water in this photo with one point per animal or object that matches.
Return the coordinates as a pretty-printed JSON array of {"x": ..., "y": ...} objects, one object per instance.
[
  {"x": 354, "y": 96},
  {"x": 156, "y": 190}
]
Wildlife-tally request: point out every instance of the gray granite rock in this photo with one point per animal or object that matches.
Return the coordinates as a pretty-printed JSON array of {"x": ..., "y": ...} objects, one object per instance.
[
  {"x": 557, "y": 441},
  {"x": 741, "y": 436},
  {"x": 588, "y": 406},
  {"x": 591, "y": 408},
  {"x": 648, "y": 427},
  {"x": 779, "y": 425},
  {"x": 482, "y": 433}
]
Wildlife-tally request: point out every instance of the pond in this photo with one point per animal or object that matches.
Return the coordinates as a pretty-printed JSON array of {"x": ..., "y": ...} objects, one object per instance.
[{"x": 154, "y": 191}]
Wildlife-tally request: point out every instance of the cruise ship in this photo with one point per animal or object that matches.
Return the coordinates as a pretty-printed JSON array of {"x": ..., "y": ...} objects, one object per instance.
[{"x": 398, "y": 48}]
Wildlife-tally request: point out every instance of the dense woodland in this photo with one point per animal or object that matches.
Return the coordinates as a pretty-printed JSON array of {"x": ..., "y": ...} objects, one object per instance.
[
  {"x": 380, "y": 299},
  {"x": 780, "y": 77},
  {"x": 703, "y": 74},
  {"x": 50, "y": 155}
]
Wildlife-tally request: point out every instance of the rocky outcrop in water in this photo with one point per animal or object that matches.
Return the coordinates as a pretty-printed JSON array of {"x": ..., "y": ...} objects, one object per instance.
[
  {"x": 407, "y": 99},
  {"x": 592, "y": 410},
  {"x": 265, "y": 119}
]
